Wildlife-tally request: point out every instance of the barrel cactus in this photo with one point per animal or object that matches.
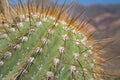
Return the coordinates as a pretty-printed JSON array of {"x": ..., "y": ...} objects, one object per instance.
[{"x": 40, "y": 41}]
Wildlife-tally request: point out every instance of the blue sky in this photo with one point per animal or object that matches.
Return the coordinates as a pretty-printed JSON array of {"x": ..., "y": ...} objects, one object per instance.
[
  {"x": 86, "y": 2},
  {"x": 89, "y": 2}
]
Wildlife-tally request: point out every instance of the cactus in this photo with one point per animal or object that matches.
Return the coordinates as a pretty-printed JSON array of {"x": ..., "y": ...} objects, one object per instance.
[{"x": 43, "y": 42}]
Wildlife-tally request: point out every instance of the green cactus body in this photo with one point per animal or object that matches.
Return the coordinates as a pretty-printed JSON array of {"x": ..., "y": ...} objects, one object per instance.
[{"x": 37, "y": 48}]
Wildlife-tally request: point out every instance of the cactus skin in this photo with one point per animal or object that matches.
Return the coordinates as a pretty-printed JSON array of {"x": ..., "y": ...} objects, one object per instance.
[{"x": 43, "y": 45}]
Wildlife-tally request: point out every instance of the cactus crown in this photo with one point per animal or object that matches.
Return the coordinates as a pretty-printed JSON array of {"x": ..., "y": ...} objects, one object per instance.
[{"x": 44, "y": 42}]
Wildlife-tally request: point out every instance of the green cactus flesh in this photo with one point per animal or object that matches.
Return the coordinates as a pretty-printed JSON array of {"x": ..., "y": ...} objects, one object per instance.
[{"x": 44, "y": 51}]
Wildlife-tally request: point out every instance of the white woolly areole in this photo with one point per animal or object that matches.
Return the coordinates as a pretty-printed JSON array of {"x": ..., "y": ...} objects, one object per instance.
[
  {"x": 77, "y": 42},
  {"x": 66, "y": 28},
  {"x": 3, "y": 36},
  {"x": 31, "y": 60},
  {"x": 12, "y": 30},
  {"x": 45, "y": 19},
  {"x": 45, "y": 41},
  {"x": 51, "y": 32},
  {"x": 76, "y": 56},
  {"x": 72, "y": 69},
  {"x": 1, "y": 63},
  {"x": 86, "y": 56},
  {"x": 31, "y": 31},
  {"x": 22, "y": 17},
  {"x": 61, "y": 50},
  {"x": 35, "y": 16},
  {"x": 7, "y": 55},
  {"x": 90, "y": 52},
  {"x": 85, "y": 71},
  {"x": 65, "y": 37},
  {"x": 16, "y": 47},
  {"x": 27, "y": 20},
  {"x": 51, "y": 18},
  {"x": 56, "y": 62},
  {"x": 6, "y": 25},
  {"x": 74, "y": 31},
  {"x": 24, "y": 39},
  {"x": 56, "y": 24},
  {"x": 23, "y": 71},
  {"x": 20, "y": 24},
  {"x": 63, "y": 22},
  {"x": 38, "y": 50},
  {"x": 38, "y": 24},
  {"x": 49, "y": 75}
]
